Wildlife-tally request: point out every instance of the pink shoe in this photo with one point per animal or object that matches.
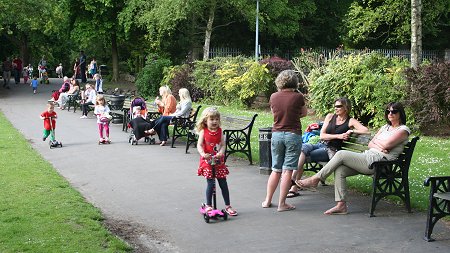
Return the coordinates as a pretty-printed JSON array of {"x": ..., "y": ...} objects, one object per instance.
[{"x": 230, "y": 211}]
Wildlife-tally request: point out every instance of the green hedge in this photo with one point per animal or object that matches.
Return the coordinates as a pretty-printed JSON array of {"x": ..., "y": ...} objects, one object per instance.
[{"x": 370, "y": 81}]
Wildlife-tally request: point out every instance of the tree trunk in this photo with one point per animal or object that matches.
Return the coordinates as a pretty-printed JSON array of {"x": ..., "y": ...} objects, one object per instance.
[
  {"x": 24, "y": 51},
  {"x": 115, "y": 57},
  {"x": 416, "y": 33},
  {"x": 208, "y": 32}
]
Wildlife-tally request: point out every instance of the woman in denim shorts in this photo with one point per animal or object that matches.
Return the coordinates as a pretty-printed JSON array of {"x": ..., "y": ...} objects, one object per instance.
[{"x": 288, "y": 106}]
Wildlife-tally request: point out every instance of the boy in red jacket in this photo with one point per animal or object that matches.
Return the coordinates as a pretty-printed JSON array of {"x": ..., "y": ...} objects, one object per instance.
[{"x": 49, "y": 126}]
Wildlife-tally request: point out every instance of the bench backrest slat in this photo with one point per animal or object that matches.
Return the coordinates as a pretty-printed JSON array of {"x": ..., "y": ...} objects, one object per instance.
[
  {"x": 442, "y": 195},
  {"x": 357, "y": 143},
  {"x": 236, "y": 123}
]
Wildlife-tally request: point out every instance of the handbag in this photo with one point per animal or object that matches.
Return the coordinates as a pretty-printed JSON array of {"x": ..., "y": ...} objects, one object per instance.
[
  {"x": 106, "y": 117},
  {"x": 331, "y": 151}
]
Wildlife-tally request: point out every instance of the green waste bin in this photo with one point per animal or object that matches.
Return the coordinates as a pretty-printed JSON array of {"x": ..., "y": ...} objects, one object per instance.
[{"x": 265, "y": 155}]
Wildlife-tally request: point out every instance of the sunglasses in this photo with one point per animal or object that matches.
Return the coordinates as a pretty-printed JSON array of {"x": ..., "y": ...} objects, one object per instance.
[
  {"x": 395, "y": 111},
  {"x": 338, "y": 106}
]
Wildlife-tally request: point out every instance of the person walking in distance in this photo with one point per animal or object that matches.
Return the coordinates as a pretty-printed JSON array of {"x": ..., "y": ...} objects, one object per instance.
[{"x": 83, "y": 67}]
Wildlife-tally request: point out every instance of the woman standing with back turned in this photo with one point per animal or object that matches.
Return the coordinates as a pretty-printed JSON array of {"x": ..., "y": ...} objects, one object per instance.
[{"x": 288, "y": 106}]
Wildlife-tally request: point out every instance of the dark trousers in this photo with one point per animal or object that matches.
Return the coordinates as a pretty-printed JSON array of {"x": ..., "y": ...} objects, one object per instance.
[
  {"x": 223, "y": 187},
  {"x": 85, "y": 107},
  {"x": 162, "y": 127},
  {"x": 16, "y": 75},
  {"x": 83, "y": 73}
]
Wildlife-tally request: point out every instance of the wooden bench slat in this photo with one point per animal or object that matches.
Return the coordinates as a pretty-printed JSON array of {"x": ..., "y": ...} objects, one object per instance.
[{"x": 442, "y": 195}]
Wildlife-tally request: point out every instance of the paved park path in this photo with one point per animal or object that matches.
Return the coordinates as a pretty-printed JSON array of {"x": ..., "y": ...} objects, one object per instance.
[{"x": 156, "y": 191}]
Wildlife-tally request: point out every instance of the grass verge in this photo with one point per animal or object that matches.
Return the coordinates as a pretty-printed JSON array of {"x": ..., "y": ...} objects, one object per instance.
[{"x": 40, "y": 211}]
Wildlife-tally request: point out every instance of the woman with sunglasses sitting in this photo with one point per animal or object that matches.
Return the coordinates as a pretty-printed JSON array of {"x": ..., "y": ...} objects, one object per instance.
[
  {"x": 336, "y": 128},
  {"x": 387, "y": 144}
]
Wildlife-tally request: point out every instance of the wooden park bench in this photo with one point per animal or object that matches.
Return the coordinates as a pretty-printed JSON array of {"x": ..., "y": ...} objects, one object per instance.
[
  {"x": 120, "y": 112},
  {"x": 390, "y": 178},
  {"x": 237, "y": 132},
  {"x": 74, "y": 101},
  {"x": 181, "y": 125},
  {"x": 439, "y": 205}
]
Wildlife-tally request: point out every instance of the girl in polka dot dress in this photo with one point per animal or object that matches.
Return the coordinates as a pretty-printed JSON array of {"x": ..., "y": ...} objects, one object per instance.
[{"x": 211, "y": 142}]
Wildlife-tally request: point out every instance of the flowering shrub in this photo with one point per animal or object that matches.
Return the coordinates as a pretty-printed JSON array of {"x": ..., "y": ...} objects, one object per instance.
[
  {"x": 275, "y": 65},
  {"x": 231, "y": 80},
  {"x": 246, "y": 80}
]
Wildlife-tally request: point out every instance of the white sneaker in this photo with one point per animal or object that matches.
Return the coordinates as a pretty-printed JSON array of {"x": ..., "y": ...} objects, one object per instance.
[{"x": 83, "y": 117}]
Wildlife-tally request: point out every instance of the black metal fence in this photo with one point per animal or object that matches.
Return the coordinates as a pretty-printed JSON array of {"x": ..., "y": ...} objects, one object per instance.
[{"x": 430, "y": 55}]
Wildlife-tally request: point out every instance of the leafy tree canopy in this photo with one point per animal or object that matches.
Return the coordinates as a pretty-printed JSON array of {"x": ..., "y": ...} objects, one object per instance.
[{"x": 388, "y": 22}]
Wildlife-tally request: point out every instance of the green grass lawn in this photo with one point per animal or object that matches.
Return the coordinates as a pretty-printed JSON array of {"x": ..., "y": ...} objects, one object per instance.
[
  {"x": 430, "y": 158},
  {"x": 40, "y": 211}
]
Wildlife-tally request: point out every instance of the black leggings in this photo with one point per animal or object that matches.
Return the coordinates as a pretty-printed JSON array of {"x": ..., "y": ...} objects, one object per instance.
[
  {"x": 85, "y": 107},
  {"x": 223, "y": 187}
]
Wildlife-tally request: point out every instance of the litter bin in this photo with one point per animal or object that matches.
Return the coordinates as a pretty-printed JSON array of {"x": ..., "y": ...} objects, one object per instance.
[
  {"x": 103, "y": 70},
  {"x": 265, "y": 155},
  {"x": 116, "y": 103}
]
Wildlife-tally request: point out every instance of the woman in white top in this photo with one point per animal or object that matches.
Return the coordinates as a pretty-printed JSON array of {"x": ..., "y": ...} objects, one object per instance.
[
  {"x": 387, "y": 144},
  {"x": 74, "y": 90},
  {"x": 89, "y": 99},
  {"x": 183, "y": 109}
]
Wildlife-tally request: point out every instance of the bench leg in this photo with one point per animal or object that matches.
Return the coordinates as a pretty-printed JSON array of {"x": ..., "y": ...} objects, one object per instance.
[
  {"x": 438, "y": 209},
  {"x": 374, "y": 194},
  {"x": 386, "y": 183}
]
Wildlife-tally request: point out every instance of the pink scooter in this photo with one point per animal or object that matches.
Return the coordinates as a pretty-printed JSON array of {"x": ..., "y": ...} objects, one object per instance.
[{"x": 214, "y": 213}]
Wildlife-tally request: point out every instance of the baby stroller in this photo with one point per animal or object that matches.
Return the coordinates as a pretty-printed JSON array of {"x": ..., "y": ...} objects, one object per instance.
[
  {"x": 138, "y": 122},
  {"x": 140, "y": 128},
  {"x": 137, "y": 102},
  {"x": 44, "y": 78}
]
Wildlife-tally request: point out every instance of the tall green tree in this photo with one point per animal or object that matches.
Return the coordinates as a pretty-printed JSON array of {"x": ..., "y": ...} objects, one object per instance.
[
  {"x": 95, "y": 22},
  {"x": 387, "y": 23},
  {"x": 161, "y": 19},
  {"x": 416, "y": 33},
  {"x": 31, "y": 24}
]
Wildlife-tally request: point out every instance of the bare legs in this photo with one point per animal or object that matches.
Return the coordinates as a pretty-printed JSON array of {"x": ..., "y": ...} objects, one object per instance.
[
  {"x": 272, "y": 185},
  {"x": 340, "y": 208},
  {"x": 297, "y": 175}
]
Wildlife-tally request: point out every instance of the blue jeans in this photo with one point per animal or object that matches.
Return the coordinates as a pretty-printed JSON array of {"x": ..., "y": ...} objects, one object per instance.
[
  {"x": 316, "y": 152},
  {"x": 286, "y": 148}
]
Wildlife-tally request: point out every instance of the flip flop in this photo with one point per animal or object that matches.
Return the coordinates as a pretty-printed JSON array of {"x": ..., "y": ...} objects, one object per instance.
[
  {"x": 290, "y": 208},
  {"x": 266, "y": 206},
  {"x": 336, "y": 213},
  {"x": 292, "y": 194},
  {"x": 300, "y": 185}
]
